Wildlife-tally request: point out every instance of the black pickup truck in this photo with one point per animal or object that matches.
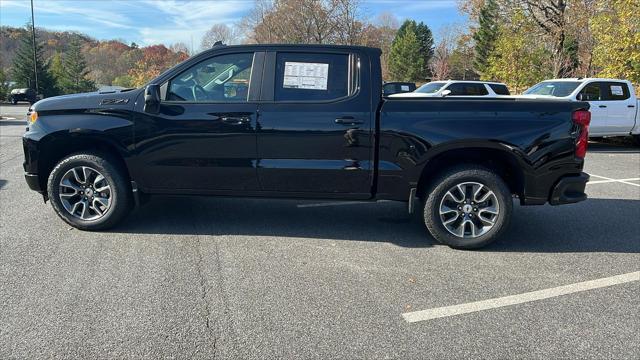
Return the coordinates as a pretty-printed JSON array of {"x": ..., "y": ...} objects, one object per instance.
[{"x": 298, "y": 121}]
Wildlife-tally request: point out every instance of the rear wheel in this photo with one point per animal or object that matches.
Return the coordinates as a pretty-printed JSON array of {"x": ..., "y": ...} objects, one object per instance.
[
  {"x": 89, "y": 191},
  {"x": 467, "y": 207}
]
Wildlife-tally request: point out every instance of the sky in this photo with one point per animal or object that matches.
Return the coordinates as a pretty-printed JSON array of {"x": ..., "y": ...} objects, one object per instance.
[{"x": 148, "y": 22}]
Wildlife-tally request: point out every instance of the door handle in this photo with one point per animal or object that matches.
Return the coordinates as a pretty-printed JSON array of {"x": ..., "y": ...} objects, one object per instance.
[
  {"x": 602, "y": 106},
  {"x": 348, "y": 120},
  {"x": 631, "y": 106},
  {"x": 235, "y": 120}
]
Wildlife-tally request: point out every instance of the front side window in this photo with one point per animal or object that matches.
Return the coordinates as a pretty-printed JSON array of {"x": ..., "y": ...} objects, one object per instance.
[
  {"x": 223, "y": 78},
  {"x": 312, "y": 77},
  {"x": 467, "y": 89},
  {"x": 591, "y": 92}
]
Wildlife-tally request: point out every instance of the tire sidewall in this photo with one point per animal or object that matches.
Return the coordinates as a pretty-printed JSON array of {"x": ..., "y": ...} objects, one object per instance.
[
  {"x": 111, "y": 175},
  {"x": 480, "y": 175}
]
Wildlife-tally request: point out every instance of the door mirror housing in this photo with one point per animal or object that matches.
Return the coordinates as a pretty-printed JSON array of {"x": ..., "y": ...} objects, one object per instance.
[
  {"x": 445, "y": 93},
  {"x": 152, "y": 99},
  {"x": 580, "y": 97}
]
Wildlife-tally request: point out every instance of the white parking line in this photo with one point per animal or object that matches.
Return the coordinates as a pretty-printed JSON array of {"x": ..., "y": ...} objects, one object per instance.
[
  {"x": 610, "y": 180},
  {"x": 446, "y": 311}
]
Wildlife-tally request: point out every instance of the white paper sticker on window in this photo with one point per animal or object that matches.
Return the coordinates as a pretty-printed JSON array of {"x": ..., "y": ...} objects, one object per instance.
[
  {"x": 299, "y": 75},
  {"x": 404, "y": 87},
  {"x": 617, "y": 90}
]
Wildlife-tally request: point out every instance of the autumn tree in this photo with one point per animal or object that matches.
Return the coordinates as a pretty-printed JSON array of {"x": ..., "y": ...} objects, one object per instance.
[
  {"x": 380, "y": 34},
  {"x": 617, "y": 34},
  {"x": 517, "y": 59},
  {"x": 155, "y": 59},
  {"x": 218, "y": 32},
  {"x": 304, "y": 22}
]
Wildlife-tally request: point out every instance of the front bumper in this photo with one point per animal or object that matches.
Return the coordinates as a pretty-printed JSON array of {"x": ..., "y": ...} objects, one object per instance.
[
  {"x": 569, "y": 190},
  {"x": 33, "y": 181}
]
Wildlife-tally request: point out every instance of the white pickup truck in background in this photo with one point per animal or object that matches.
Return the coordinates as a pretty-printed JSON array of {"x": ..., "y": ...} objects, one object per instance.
[{"x": 614, "y": 105}]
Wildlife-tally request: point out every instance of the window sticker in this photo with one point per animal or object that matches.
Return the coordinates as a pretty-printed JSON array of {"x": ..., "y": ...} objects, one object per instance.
[
  {"x": 404, "y": 87},
  {"x": 299, "y": 75},
  {"x": 617, "y": 90}
]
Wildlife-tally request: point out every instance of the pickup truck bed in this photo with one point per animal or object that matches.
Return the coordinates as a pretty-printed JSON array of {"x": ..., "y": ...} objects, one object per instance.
[{"x": 294, "y": 121}]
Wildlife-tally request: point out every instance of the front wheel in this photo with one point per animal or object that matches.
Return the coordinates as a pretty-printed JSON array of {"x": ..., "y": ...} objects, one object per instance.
[
  {"x": 89, "y": 191},
  {"x": 467, "y": 207}
]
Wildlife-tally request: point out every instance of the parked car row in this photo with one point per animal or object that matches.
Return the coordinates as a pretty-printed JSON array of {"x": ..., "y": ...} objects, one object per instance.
[{"x": 613, "y": 103}]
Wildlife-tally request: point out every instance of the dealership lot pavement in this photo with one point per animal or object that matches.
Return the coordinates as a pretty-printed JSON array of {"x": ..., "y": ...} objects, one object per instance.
[{"x": 191, "y": 277}]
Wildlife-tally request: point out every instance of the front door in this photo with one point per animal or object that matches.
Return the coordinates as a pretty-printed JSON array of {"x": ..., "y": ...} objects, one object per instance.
[
  {"x": 592, "y": 93},
  {"x": 315, "y": 127},
  {"x": 204, "y": 138}
]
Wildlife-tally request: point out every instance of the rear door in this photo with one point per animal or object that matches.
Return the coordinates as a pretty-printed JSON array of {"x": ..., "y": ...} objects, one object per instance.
[
  {"x": 315, "y": 130},
  {"x": 620, "y": 107}
]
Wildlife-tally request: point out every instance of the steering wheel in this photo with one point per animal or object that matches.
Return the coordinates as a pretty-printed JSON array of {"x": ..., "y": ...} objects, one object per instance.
[{"x": 199, "y": 93}]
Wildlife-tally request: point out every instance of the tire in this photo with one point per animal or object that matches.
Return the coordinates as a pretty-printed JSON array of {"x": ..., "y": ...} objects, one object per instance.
[
  {"x": 470, "y": 228},
  {"x": 636, "y": 139},
  {"x": 14, "y": 101},
  {"x": 103, "y": 201}
]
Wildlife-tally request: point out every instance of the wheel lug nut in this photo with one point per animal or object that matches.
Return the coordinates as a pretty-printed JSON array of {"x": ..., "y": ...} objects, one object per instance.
[{"x": 475, "y": 209}]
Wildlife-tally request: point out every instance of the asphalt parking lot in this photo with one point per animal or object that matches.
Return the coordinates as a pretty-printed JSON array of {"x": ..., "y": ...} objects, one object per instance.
[{"x": 188, "y": 277}]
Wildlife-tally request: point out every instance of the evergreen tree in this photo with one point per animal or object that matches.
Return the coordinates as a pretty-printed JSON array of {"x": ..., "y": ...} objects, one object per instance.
[
  {"x": 3, "y": 85},
  {"x": 23, "y": 73},
  {"x": 425, "y": 40},
  {"x": 74, "y": 72},
  {"x": 406, "y": 60},
  {"x": 56, "y": 67},
  {"x": 486, "y": 35}
]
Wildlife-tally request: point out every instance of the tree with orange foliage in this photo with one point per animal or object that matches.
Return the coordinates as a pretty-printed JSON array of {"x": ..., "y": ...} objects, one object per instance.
[{"x": 155, "y": 59}]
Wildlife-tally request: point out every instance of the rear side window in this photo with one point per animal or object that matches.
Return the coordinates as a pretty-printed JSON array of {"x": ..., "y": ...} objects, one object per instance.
[
  {"x": 311, "y": 77},
  {"x": 500, "y": 89},
  {"x": 615, "y": 91},
  {"x": 591, "y": 92},
  {"x": 467, "y": 89}
]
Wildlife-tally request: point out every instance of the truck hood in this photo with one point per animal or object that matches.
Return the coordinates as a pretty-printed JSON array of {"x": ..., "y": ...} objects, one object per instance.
[{"x": 93, "y": 100}]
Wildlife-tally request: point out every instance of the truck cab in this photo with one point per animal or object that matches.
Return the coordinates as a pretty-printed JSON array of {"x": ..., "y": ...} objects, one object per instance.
[{"x": 613, "y": 102}]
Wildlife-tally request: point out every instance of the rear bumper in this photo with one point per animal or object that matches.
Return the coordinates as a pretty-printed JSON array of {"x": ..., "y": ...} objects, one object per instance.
[{"x": 569, "y": 190}]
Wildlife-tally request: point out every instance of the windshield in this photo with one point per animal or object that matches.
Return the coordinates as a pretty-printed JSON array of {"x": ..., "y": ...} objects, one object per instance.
[
  {"x": 430, "y": 88},
  {"x": 553, "y": 88}
]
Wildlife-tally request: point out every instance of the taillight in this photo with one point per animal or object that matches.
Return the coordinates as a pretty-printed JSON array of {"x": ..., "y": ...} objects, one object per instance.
[{"x": 582, "y": 118}]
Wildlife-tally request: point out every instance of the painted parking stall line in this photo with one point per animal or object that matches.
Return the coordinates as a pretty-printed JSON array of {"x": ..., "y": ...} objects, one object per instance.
[
  {"x": 446, "y": 311},
  {"x": 610, "y": 180}
]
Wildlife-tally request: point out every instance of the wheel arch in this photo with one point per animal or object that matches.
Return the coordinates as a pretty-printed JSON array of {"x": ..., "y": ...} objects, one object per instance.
[
  {"x": 494, "y": 156},
  {"x": 57, "y": 146}
]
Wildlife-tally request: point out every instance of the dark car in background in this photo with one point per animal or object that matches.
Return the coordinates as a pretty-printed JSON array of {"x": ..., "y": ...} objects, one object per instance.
[{"x": 26, "y": 94}]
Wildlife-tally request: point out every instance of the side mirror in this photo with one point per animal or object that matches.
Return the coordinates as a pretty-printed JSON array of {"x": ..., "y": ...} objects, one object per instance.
[
  {"x": 580, "y": 97},
  {"x": 445, "y": 93},
  {"x": 152, "y": 99}
]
